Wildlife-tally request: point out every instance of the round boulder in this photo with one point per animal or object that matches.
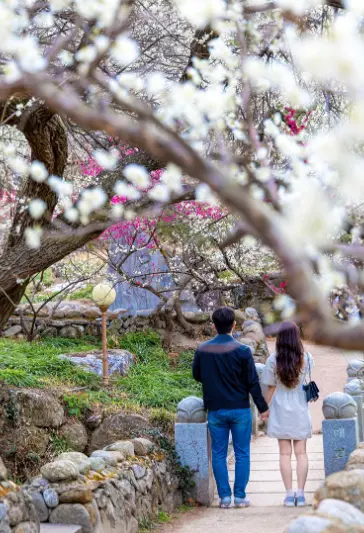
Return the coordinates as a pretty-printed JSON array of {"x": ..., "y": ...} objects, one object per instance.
[
  {"x": 117, "y": 427},
  {"x": 191, "y": 410},
  {"x": 126, "y": 447},
  {"x": 75, "y": 434},
  {"x": 81, "y": 495},
  {"x": 347, "y": 486},
  {"x": 40, "y": 506},
  {"x": 108, "y": 457},
  {"x": 76, "y": 514},
  {"x": 142, "y": 446},
  {"x": 343, "y": 511},
  {"x": 74, "y": 457},
  {"x": 60, "y": 471},
  {"x": 356, "y": 460},
  {"x": 39, "y": 408},
  {"x": 314, "y": 524},
  {"x": 51, "y": 498}
]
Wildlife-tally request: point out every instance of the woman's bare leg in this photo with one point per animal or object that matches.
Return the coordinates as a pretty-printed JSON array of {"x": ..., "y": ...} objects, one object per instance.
[
  {"x": 302, "y": 463},
  {"x": 285, "y": 452}
]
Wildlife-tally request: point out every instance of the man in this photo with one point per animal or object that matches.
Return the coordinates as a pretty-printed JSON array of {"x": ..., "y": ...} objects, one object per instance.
[{"x": 226, "y": 369}]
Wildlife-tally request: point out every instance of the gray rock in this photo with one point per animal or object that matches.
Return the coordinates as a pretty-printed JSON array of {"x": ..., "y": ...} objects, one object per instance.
[
  {"x": 139, "y": 471},
  {"x": 120, "y": 361},
  {"x": 343, "y": 511},
  {"x": 93, "y": 421},
  {"x": 39, "y": 408},
  {"x": 72, "y": 332},
  {"x": 85, "y": 467},
  {"x": 126, "y": 447},
  {"x": 76, "y": 435},
  {"x": 74, "y": 457},
  {"x": 2, "y": 510},
  {"x": 142, "y": 446},
  {"x": 40, "y": 506},
  {"x": 51, "y": 498},
  {"x": 13, "y": 331},
  {"x": 310, "y": 524},
  {"x": 3, "y": 471},
  {"x": 97, "y": 464},
  {"x": 339, "y": 405},
  {"x": 108, "y": 457},
  {"x": 117, "y": 427},
  {"x": 67, "y": 513},
  {"x": 60, "y": 471}
]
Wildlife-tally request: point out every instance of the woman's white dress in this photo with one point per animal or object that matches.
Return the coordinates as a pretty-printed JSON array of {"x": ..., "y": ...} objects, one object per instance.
[{"x": 289, "y": 415}]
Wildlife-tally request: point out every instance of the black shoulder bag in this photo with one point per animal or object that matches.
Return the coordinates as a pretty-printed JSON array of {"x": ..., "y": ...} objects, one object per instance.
[{"x": 310, "y": 388}]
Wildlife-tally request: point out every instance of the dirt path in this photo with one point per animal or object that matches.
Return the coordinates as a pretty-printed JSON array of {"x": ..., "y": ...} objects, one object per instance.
[{"x": 265, "y": 489}]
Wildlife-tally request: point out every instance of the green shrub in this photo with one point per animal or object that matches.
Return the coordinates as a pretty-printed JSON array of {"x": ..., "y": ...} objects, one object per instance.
[{"x": 83, "y": 293}]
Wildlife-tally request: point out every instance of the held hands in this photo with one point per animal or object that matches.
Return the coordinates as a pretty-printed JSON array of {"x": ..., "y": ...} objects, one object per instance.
[{"x": 264, "y": 416}]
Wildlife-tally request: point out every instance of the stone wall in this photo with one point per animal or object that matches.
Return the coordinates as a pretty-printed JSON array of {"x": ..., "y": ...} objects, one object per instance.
[
  {"x": 78, "y": 318},
  {"x": 109, "y": 492},
  {"x": 30, "y": 420}
]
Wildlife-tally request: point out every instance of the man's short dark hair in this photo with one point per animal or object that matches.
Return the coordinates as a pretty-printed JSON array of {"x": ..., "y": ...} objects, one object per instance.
[{"x": 223, "y": 319}]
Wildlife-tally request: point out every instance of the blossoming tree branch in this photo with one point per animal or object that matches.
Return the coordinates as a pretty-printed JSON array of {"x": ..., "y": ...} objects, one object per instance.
[{"x": 255, "y": 106}]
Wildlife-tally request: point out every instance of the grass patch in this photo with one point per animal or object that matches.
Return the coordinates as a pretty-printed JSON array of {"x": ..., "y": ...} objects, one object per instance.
[
  {"x": 152, "y": 382},
  {"x": 24, "y": 364}
]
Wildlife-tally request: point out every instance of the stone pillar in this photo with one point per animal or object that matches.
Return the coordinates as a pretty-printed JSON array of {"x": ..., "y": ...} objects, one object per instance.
[
  {"x": 193, "y": 446},
  {"x": 355, "y": 369},
  {"x": 354, "y": 389},
  {"x": 339, "y": 429}
]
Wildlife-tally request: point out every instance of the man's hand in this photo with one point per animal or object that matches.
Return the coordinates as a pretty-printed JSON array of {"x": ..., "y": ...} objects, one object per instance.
[{"x": 264, "y": 416}]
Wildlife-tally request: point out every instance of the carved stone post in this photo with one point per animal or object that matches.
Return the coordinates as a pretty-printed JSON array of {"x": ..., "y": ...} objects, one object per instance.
[
  {"x": 354, "y": 389},
  {"x": 193, "y": 446},
  {"x": 355, "y": 369},
  {"x": 339, "y": 429}
]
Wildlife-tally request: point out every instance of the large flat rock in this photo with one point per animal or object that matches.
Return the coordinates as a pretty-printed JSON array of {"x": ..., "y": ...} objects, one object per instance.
[{"x": 60, "y": 528}]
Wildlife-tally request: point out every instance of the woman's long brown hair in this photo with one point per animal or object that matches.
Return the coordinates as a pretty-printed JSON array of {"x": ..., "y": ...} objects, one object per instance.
[{"x": 289, "y": 354}]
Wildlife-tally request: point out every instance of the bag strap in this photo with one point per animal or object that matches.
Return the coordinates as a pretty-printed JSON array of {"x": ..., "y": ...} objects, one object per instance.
[{"x": 309, "y": 367}]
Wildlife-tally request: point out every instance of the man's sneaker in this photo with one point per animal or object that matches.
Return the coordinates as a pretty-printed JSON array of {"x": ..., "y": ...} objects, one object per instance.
[
  {"x": 225, "y": 503},
  {"x": 300, "y": 501},
  {"x": 241, "y": 502},
  {"x": 289, "y": 501}
]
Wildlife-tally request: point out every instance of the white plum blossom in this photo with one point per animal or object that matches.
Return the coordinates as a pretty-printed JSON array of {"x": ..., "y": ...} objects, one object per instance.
[
  {"x": 137, "y": 175},
  {"x": 298, "y": 7},
  {"x": 107, "y": 159},
  {"x": 204, "y": 194},
  {"x": 172, "y": 178},
  {"x": 37, "y": 208},
  {"x": 125, "y": 190},
  {"x": 124, "y": 50},
  {"x": 86, "y": 54},
  {"x": 203, "y": 12},
  {"x": 61, "y": 187},
  {"x": 38, "y": 171},
  {"x": 33, "y": 237},
  {"x": 18, "y": 165},
  {"x": 72, "y": 215},
  {"x": 91, "y": 199},
  {"x": 159, "y": 193},
  {"x": 155, "y": 83}
]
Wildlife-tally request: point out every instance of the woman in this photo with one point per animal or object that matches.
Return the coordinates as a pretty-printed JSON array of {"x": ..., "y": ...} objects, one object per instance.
[{"x": 284, "y": 376}]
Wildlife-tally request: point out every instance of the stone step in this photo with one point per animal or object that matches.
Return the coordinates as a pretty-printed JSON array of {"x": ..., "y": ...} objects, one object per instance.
[{"x": 60, "y": 528}]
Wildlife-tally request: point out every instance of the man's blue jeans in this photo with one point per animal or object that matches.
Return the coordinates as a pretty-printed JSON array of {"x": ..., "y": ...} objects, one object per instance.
[{"x": 239, "y": 422}]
